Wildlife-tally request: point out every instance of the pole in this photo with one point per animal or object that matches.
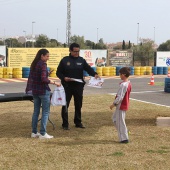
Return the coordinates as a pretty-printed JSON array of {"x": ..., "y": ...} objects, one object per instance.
[
  {"x": 137, "y": 33},
  {"x": 57, "y": 34},
  {"x": 32, "y": 34},
  {"x": 4, "y": 37},
  {"x": 154, "y": 35},
  {"x": 97, "y": 35},
  {"x": 25, "y": 39}
]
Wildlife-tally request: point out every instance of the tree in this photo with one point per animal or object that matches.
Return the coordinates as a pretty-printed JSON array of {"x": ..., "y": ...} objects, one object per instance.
[
  {"x": 89, "y": 44},
  {"x": 129, "y": 45},
  {"x": 144, "y": 52},
  {"x": 79, "y": 40},
  {"x": 123, "y": 45},
  {"x": 1, "y": 43},
  {"x": 164, "y": 46},
  {"x": 42, "y": 41},
  {"x": 12, "y": 42}
]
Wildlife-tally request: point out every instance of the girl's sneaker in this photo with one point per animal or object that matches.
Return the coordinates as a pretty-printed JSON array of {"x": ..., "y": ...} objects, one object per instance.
[
  {"x": 35, "y": 135},
  {"x": 46, "y": 136}
]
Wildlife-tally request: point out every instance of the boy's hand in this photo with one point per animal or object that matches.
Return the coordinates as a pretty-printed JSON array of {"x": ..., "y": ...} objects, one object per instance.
[{"x": 111, "y": 106}]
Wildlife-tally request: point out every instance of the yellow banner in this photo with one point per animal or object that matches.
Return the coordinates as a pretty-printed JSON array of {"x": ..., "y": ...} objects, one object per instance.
[{"x": 23, "y": 57}]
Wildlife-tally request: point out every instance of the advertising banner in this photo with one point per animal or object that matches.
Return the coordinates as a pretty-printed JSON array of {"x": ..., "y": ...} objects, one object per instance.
[
  {"x": 2, "y": 56},
  {"x": 23, "y": 57},
  {"x": 120, "y": 58},
  {"x": 95, "y": 58},
  {"x": 163, "y": 58}
]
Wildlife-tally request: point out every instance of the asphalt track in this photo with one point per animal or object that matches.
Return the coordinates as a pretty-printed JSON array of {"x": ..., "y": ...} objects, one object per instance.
[{"x": 140, "y": 89}]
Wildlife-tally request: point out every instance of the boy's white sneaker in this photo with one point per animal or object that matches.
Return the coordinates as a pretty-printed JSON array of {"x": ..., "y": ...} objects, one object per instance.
[
  {"x": 35, "y": 135},
  {"x": 46, "y": 136}
]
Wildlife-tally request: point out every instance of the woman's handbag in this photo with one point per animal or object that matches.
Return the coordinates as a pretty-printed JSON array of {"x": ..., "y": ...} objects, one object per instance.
[{"x": 58, "y": 97}]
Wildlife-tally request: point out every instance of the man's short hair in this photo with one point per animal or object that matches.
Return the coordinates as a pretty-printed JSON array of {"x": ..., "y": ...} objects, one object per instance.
[
  {"x": 125, "y": 71},
  {"x": 73, "y": 45}
]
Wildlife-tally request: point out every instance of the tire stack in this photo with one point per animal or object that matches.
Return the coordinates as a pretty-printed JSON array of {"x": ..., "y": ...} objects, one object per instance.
[
  {"x": 154, "y": 70},
  {"x": 137, "y": 71},
  {"x": 165, "y": 70},
  {"x": 167, "y": 85},
  {"x": 132, "y": 70},
  {"x": 17, "y": 72},
  {"x": 7, "y": 72},
  {"x": 142, "y": 70},
  {"x": 117, "y": 70},
  {"x": 1, "y": 72},
  {"x": 148, "y": 70},
  {"x": 25, "y": 72},
  {"x": 105, "y": 71},
  {"x": 112, "y": 71},
  {"x": 53, "y": 73},
  {"x": 99, "y": 70},
  {"x": 159, "y": 70}
]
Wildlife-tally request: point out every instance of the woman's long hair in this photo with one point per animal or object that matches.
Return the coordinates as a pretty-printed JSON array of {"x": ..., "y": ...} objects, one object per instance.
[{"x": 38, "y": 57}]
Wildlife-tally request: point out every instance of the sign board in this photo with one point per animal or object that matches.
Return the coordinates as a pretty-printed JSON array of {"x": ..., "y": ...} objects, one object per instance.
[
  {"x": 163, "y": 58},
  {"x": 120, "y": 58},
  {"x": 95, "y": 58},
  {"x": 20, "y": 57},
  {"x": 2, "y": 56}
]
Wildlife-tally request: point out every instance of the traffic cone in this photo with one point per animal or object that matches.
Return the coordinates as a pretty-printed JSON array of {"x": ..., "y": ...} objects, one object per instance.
[
  {"x": 152, "y": 80},
  {"x": 168, "y": 75}
]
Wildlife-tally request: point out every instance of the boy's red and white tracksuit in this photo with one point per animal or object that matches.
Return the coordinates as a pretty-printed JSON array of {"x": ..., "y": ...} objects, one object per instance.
[{"x": 122, "y": 103}]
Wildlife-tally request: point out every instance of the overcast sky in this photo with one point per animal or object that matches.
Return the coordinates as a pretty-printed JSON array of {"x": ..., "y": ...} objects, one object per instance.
[{"x": 112, "y": 20}]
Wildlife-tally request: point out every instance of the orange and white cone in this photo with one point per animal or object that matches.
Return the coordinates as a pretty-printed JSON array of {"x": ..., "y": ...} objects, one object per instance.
[
  {"x": 152, "y": 80},
  {"x": 168, "y": 75}
]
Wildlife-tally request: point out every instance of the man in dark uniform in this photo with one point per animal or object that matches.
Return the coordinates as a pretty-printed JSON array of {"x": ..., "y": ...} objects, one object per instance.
[{"x": 72, "y": 66}]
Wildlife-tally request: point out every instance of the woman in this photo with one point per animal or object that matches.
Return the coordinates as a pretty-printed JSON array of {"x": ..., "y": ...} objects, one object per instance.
[{"x": 38, "y": 85}]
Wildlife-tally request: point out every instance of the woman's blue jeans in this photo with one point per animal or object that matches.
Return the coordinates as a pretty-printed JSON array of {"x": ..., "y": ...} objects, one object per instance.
[{"x": 44, "y": 102}]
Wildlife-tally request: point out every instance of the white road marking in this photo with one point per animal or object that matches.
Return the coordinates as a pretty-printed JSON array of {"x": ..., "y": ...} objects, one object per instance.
[
  {"x": 150, "y": 103},
  {"x": 144, "y": 101},
  {"x": 147, "y": 91}
]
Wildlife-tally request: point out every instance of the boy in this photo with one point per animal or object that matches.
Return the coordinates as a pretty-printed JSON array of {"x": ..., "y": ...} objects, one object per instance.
[{"x": 121, "y": 103}]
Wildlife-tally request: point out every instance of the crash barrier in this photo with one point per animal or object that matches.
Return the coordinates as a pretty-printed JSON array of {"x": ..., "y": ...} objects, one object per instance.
[{"x": 23, "y": 72}]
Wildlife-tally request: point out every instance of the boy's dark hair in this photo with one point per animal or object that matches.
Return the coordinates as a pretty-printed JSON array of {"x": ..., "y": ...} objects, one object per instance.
[
  {"x": 73, "y": 45},
  {"x": 125, "y": 71}
]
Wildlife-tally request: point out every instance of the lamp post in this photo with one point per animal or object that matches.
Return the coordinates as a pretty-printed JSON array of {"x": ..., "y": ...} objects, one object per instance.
[
  {"x": 33, "y": 34},
  {"x": 57, "y": 34},
  {"x": 137, "y": 33},
  {"x": 4, "y": 37},
  {"x": 25, "y": 39},
  {"x": 154, "y": 35},
  {"x": 97, "y": 35}
]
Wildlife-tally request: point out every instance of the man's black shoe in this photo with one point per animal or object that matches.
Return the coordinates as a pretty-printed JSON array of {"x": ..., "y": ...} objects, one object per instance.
[
  {"x": 80, "y": 126},
  {"x": 124, "y": 141},
  {"x": 66, "y": 128}
]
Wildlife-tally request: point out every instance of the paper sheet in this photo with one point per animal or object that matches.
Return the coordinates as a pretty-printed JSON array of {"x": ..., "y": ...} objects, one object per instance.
[
  {"x": 78, "y": 80},
  {"x": 96, "y": 82}
]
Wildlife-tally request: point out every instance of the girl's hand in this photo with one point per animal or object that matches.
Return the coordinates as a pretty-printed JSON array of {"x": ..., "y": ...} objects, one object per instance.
[{"x": 57, "y": 84}]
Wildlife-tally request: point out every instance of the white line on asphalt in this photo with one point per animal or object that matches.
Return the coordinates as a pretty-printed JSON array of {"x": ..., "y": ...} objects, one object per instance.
[
  {"x": 150, "y": 103},
  {"x": 144, "y": 101},
  {"x": 147, "y": 91}
]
